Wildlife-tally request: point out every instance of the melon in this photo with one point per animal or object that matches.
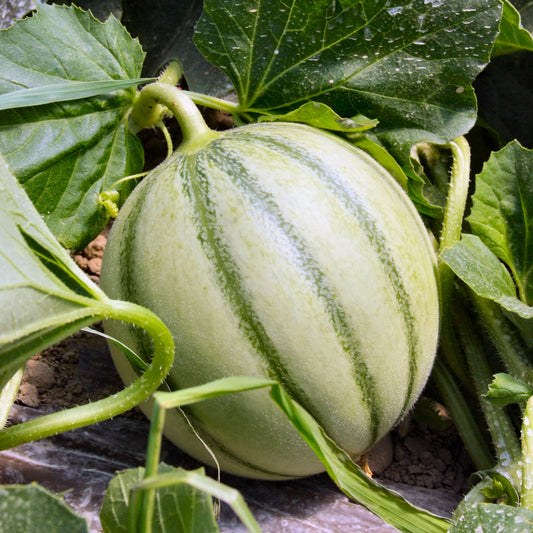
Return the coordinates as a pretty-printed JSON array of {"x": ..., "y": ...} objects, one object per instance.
[{"x": 281, "y": 251}]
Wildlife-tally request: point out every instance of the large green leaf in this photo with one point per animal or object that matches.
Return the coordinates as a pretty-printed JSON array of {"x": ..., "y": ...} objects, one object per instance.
[
  {"x": 44, "y": 296},
  {"x": 474, "y": 263},
  {"x": 179, "y": 508},
  {"x": 407, "y": 63},
  {"x": 32, "y": 509},
  {"x": 502, "y": 212},
  {"x": 66, "y": 153}
]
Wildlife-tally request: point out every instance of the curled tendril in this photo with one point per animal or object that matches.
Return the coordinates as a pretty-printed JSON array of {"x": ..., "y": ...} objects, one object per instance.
[{"x": 109, "y": 200}]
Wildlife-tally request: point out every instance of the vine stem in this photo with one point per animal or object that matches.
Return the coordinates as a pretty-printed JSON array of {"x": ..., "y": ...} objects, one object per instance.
[
  {"x": 212, "y": 102},
  {"x": 502, "y": 431},
  {"x": 463, "y": 419},
  {"x": 141, "y": 505},
  {"x": 141, "y": 508},
  {"x": 458, "y": 193},
  {"x": 150, "y": 108},
  {"x": 134, "y": 394},
  {"x": 505, "y": 338},
  {"x": 450, "y": 350},
  {"x": 450, "y": 234}
]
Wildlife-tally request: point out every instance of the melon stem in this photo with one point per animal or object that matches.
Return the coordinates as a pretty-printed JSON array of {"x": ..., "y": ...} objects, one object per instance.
[{"x": 157, "y": 99}]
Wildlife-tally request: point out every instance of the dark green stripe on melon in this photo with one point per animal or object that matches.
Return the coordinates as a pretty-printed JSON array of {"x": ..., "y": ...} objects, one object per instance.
[
  {"x": 128, "y": 283},
  {"x": 352, "y": 203},
  {"x": 196, "y": 188},
  {"x": 300, "y": 255}
]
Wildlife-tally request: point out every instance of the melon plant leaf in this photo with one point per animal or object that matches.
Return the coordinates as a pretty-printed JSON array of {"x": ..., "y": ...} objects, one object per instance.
[
  {"x": 506, "y": 389},
  {"x": 323, "y": 117},
  {"x": 475, "y": 264},
  {"x": 350, "y": 478},
  {"x": 408, "y": 64},
  {"x": 44, "y": 296},
  {"x": 33, "y": 508},
  {"x": 65, "y": 153},
  {"x": 490, "y": 517},
  {"x": 179, "y": 508},
  {"x": 513, "y": 37},
  {"x": 502, "y": 213}
]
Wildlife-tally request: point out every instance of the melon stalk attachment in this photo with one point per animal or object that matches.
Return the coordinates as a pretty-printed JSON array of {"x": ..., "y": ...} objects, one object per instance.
[
  {"x": 152, "y": 104},
  {"x": 155, "y": 99}
]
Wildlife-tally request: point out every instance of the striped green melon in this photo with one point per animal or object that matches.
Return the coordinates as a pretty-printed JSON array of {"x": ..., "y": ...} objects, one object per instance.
[{"x": 281, "y": 251}]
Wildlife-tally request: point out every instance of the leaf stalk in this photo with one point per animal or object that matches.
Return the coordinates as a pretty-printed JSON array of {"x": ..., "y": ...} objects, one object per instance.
[
  {"x": 502, "y": 431},
  {"x": 450, "y": 234}
]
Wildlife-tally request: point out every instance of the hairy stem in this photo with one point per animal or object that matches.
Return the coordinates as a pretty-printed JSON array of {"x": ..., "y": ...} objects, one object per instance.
[
  {"x": 458, "y": 193},
  {"x": 464, "y": 420},
  {"x": 213, "y": 102},
  {"x": 505, "y": 339},
  {"x": 453, "y": 363},
  {"x": 141, "y": 516},
  {"x": 155, "y": 99},
  {"x": 451, "y": 233},
  {"x": 502, "y": 431}
]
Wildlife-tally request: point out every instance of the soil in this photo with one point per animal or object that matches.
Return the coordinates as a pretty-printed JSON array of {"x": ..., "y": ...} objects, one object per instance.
[{"x": 52, "y": 379}]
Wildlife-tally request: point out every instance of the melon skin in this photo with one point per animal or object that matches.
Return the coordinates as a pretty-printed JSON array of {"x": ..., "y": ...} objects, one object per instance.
[{"x": 281, "y": 251}]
